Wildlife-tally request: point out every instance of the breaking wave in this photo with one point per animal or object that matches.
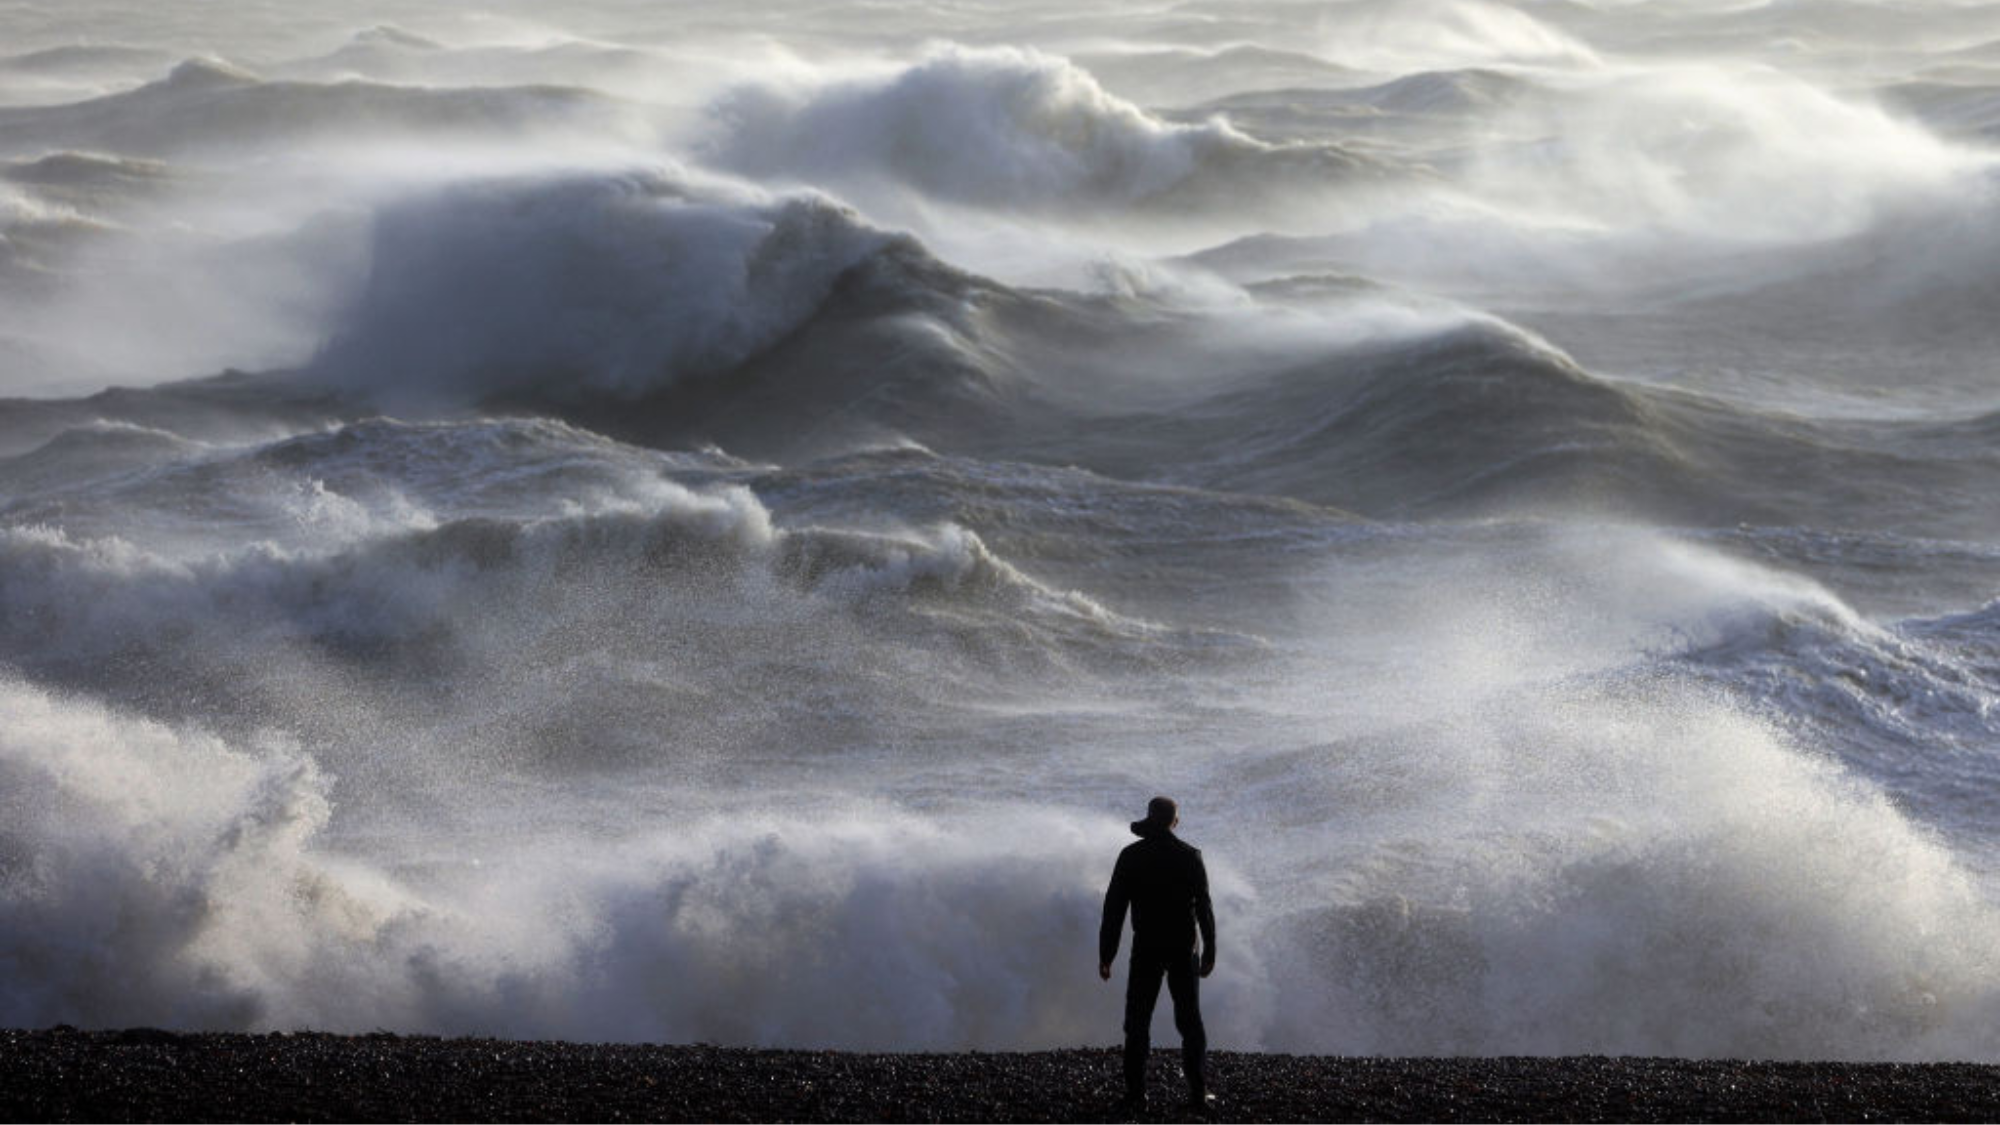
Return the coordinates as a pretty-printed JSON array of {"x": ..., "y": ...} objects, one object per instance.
[
  {"x": 155, "y": 875},
  {"x": 1013, "y": 129},
  {"x": 605, "y": 284}
]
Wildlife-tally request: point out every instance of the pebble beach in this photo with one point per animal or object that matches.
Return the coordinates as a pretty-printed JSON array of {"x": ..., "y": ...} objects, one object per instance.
[{"x": 63, "y": 1074}]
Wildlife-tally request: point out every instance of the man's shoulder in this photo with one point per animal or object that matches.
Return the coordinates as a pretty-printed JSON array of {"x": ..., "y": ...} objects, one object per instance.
[{"x": 1161, "y": 845}]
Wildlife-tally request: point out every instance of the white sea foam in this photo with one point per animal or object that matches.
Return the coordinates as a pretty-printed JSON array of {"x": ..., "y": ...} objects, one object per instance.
[
  {"x": 1658, "y": 876},
  {"x": 1641, "y": 871},
  {"x": 163, "y": 876},
  {"x": 152, "y": 875},
  {"x": 1523, "y": 848},
  {"x": 1718, "y": 152},
  {"x": 1400, "y": 36},
  {"x": 996, "y": 127}
]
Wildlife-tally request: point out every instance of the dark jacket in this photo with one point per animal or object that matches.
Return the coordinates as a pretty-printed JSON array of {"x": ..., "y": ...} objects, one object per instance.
[{"x": 1164, "y": 882}]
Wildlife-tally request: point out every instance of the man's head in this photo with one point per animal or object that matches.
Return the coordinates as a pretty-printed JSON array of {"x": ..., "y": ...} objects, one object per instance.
[{"x": 1162, "y": 811}]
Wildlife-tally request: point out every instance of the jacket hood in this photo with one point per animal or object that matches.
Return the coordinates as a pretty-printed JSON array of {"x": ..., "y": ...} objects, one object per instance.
[{"x": 1148, "y": 829}]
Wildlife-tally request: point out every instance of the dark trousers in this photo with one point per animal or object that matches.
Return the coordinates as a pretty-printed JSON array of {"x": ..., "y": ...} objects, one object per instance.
[{"x": 1142, "y": 991}]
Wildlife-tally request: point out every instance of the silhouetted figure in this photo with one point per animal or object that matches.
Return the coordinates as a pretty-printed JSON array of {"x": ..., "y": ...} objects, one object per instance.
[{"x": 1162, "y": 879}]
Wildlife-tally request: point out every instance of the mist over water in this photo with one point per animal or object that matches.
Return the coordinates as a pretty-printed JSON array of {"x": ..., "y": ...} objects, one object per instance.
[{"x": 703, "y": 522}]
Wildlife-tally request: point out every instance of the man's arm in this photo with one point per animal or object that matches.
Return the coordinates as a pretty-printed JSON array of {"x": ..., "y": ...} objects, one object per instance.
[
  {"x": 1204, "y": 916},
  {"x": 1117, "y": 897}
]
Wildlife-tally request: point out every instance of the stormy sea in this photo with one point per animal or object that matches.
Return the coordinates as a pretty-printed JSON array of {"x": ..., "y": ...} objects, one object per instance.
[{"x": 702, "y": 522}]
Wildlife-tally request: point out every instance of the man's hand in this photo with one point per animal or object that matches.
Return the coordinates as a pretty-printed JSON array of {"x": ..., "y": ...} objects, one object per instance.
[
  {"x": 1207, "y": 962},
  {"x": 1104, "y": 970}
]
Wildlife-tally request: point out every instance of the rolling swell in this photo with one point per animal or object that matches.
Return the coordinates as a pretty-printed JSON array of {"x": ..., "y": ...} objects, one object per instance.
[
  {"x": 206, "y": 106},
  {"x": 84, "y": 172},
  {"x": 1184, "y": 76},
  {"x": 1482, "y": 418},
  {"x": 233, "y": 406},
  {"x": 826, "y": 334},
  {"x": 1470, "y": 417},
  {"x": 1150, "y": 548},
  {"x": 80, "y": 459},
  {"x": 388, "y": 53},
  {"x": 80, "y": 57},
  {"x": 672, "y": 311}
]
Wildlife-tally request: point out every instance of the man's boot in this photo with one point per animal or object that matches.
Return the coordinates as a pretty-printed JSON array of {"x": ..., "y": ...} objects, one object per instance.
[
  {"x": 1199, "y": 1099},
  {"x": 1135, "y": 1075}
]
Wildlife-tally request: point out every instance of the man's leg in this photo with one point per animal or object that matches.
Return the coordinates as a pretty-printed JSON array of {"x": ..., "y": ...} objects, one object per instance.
[
  {"x": 1184, "y": 985},
  {"x": 1142, "y": 991}
]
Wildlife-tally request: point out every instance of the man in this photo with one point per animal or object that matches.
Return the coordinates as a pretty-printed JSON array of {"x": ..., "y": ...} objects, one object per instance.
[{"x": 1162, "y": 879}]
